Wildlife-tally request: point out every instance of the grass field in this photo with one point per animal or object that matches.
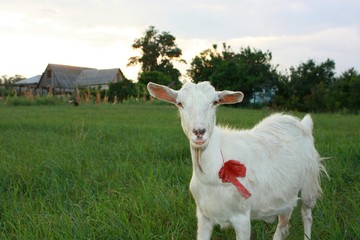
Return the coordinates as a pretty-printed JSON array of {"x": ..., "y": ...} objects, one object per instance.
[{"x": 122, "y": 172}]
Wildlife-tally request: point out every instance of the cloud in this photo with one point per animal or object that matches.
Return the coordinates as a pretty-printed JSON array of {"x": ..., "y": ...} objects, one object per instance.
[{"x": 339, "y": 44}]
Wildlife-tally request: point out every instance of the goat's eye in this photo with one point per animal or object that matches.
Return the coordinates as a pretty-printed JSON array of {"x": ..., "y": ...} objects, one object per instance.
[
  {"x": 216, "y": 103},
  {"x": 180, "y": 105}
]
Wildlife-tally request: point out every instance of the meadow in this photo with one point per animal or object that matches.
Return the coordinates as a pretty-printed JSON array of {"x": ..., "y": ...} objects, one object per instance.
[{"x": 122, "y": 172}]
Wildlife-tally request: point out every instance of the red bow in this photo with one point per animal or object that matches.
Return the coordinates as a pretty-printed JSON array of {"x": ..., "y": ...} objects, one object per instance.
[{"x": 229, "y": 173}]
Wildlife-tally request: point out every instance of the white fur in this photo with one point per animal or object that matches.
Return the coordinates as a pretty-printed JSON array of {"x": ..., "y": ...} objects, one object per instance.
[{"x": 279, "y": 155}]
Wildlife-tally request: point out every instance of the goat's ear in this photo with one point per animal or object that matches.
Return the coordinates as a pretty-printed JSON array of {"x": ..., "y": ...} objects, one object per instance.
[
  {"x": 162, "y": 92},
  {"x": 230, "y": 97}
]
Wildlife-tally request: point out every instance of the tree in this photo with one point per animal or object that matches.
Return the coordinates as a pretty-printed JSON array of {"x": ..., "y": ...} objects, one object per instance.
[
  {"x": 123, "y": 90},
  {"x": 7, "y": 83},
  {"x": 203, "y": 65},
  {"x": 158, "y": 51},
  {"x": 346, "y": 91},
  {"x": 5, "y": 80},
  {"x": 309, "y": 84},
  {"x": 158, "y": 77},
  {"x": 250, "y": 70},
  {"x": 154, "y": 76}
]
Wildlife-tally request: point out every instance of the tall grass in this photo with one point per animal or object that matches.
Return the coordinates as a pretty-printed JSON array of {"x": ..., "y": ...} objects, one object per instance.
[
  {"x": 36, "y": 100},
  {"x": 122, "y": 172}
]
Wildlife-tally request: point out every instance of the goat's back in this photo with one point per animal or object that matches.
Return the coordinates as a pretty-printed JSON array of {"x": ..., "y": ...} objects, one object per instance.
[{"x": 281, "y": 160}]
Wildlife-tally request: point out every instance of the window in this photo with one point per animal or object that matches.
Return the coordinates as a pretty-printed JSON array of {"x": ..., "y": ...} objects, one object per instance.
[{"x": 48, "y": 74}]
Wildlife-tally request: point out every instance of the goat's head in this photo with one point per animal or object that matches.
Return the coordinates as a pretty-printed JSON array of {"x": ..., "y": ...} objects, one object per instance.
[{"x": 197, "y": 107}]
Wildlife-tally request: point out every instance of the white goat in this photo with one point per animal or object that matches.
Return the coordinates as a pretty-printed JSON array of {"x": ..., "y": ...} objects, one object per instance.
[{"x": 278, "y": 153}]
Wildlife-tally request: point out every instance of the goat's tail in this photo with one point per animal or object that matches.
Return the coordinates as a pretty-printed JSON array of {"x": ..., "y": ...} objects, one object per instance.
[
  {"x": 311, "y": 189},
  {"x": 307, "y": 122}
]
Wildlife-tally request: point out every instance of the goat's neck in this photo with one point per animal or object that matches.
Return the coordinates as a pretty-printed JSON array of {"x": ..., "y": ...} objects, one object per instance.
[{"x": 207, "y": 167}]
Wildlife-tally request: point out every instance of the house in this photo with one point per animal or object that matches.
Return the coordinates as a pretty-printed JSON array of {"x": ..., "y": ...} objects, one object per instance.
[
  {"x": 60, "y": 78},
  {"x": 27, "y": 84},
  {"x": 99, "y": 79},
  {"x": 263, "y": 96},
  {"x": 65, "y": 79}
]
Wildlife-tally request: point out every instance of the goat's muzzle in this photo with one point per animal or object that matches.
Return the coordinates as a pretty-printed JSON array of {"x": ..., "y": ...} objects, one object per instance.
[{"x": 199, "y": 133}]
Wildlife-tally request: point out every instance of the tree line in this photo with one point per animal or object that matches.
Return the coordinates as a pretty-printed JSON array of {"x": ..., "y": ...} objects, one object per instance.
[
  {"x": 6, "y": 84},
  {"x": 310, "y": 86}
]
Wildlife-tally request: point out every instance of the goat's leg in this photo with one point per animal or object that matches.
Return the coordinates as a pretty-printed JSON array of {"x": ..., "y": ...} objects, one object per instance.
[
  {"x": 282, "y": 230},
  {"x": 306, "y": 212},
  {"x": 242, "y": 226},
  {"x": 205, "y": 226}
]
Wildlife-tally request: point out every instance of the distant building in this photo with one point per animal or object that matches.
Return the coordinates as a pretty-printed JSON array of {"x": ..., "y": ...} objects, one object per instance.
[
  {"x": 28, "y": 84},
  {"x": 263, "y": 96},
  {"x": 65, "y": 79},
  {"x": 99, "y": 79}
]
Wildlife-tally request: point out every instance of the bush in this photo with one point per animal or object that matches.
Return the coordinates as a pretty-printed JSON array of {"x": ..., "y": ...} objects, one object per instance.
[{"x": 122, "y": 90}]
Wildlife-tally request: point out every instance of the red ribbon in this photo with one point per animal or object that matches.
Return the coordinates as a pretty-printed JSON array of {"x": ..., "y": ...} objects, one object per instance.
[{"x": 229, "y": 173}]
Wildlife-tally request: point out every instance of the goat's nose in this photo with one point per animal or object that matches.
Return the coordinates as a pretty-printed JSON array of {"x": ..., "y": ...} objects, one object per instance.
[{"x": 199, "y": 132}]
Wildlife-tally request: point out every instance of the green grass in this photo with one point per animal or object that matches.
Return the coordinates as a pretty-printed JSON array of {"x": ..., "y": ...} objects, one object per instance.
[{"x": 122, "y": 172}]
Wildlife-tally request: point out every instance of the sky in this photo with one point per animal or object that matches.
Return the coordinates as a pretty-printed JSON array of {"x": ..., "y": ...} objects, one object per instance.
[{"x": 99, "y": 33}]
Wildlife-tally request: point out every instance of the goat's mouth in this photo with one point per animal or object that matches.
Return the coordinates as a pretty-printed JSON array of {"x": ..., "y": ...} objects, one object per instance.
[
  {"x": 198, "y": 138},
  {"x": 199, "y": 142}
]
